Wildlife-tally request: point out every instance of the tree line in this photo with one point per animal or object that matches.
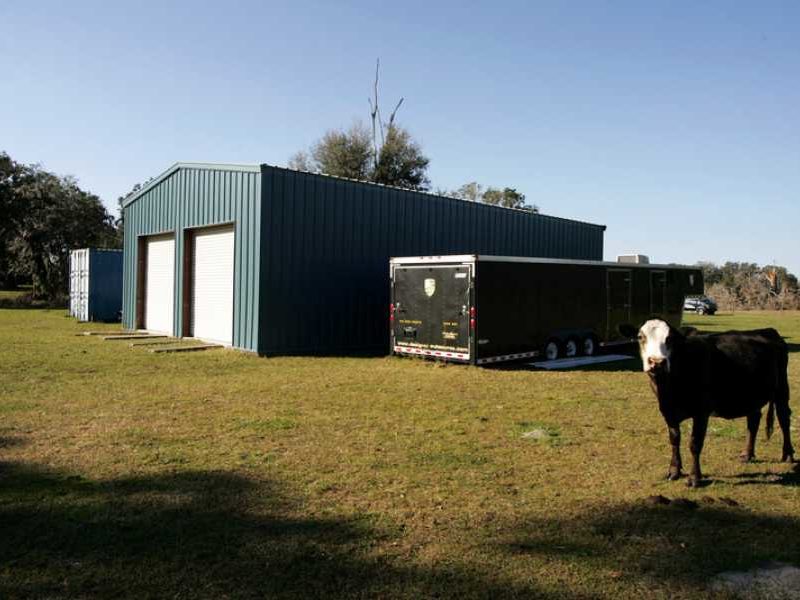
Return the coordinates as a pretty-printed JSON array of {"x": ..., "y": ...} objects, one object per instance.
[
  {"x": 748, "y": 286},
  {"x": 42, "y": 217}
]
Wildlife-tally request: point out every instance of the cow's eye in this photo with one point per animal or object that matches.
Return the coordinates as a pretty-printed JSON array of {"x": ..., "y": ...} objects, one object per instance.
[{"x": 641, "y": 337}]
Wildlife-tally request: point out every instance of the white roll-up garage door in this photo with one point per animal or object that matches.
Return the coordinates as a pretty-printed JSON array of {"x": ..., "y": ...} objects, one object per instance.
[
  {"x": 160, "y": 283},
  {"x": 212, "y": 285}
]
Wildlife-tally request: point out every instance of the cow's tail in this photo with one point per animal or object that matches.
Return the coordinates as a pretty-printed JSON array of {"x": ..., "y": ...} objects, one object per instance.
[{"x": 770, "y": 418}]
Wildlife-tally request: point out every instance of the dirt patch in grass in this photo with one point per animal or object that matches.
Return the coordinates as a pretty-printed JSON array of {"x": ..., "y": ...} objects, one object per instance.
[{"x": 537, "y": 431}]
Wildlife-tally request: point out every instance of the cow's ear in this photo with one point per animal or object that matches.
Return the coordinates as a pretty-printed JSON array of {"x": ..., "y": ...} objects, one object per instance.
[
  {"x": 676, "y": 336},
  {"x": 689, "y": 331},
  {"x": 628, "y": 330}
]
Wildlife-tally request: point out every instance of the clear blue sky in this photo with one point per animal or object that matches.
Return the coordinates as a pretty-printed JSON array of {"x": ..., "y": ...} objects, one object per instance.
[{"x": 677, "y": 124}]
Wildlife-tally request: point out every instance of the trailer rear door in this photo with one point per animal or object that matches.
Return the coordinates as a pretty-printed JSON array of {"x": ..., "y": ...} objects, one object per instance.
[
  {"x": 658, "y": 293},
  {"x": 619, "y": 301},
  {"x": 431, "y": 310}
]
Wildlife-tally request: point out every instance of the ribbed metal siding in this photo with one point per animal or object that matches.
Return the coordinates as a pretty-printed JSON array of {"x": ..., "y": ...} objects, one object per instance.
[
  {"x": 326, "y": 245},
  {"x": 200, "y": 197},
  {"x": 105, "y": 284}
]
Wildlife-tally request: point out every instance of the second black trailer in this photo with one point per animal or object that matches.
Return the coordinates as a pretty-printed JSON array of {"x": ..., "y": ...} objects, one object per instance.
[{"x": 488, "y": 309}]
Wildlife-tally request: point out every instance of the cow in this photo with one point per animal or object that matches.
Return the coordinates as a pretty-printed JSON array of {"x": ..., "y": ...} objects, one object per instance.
[{"x": 729, "y": 375}]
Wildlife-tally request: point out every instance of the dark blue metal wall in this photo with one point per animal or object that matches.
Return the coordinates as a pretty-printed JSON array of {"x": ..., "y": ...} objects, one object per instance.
[
  {"x": 105, "y": 285},
  {"x": 326, "y": 244}
]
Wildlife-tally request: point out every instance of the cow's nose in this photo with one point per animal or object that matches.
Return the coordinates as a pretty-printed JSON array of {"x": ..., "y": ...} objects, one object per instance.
[{"x": 655, "y": 362}]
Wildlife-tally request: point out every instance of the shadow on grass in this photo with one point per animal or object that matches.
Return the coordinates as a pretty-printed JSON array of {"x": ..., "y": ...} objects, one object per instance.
[
  {"x": 27, "y": 302},
  {"x": 668, "y": 548},
  {"x": 200, "y": 535},
  {"x": 791, "y": 477},
  {"x": 11, "y": 441}
]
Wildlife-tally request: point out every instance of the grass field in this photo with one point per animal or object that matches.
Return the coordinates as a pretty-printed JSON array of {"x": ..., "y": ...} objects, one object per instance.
[
  {"x": 10, "y": 294},
  {"x": 223, "y": 475}
]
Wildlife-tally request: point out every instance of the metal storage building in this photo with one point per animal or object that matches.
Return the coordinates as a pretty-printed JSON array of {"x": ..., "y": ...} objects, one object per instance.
[
  {"x": 277, "y": 261},
  {"x": 95, "y": 284}
]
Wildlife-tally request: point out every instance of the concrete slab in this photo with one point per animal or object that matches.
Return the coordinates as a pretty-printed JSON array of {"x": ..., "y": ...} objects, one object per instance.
[
  {"x": 187, "y": 348},
  {"x": 124, "y": 332},
  {"x": 159, "y": 342},
  {"x": 134, "y": 336}
]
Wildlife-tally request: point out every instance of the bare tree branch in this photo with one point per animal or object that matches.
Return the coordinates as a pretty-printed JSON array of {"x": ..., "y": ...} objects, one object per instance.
[
  {"x": 377, "y": 106},
  {"x": 373, "y": 111},
  {"x": 394, "y": 112},
  {"x": 375, "y": 114}
]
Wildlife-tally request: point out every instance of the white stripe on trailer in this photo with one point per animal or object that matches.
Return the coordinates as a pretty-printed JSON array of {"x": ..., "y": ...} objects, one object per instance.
[
  {"x": 617, "y": 343},
  {"x": 471, "y": 258},
  {"x": 506, "y": 357},
  {"x": 437, "y": 353},
  {"x": 412, "y": 260}
]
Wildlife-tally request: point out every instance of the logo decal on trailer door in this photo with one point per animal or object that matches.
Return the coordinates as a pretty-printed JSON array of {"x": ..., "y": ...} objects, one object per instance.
[{"x": 430, "y": 287}]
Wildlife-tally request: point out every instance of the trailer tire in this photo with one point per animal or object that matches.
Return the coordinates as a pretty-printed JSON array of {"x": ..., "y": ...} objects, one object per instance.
[
  {"x": 572, "y": 347},
  {"x": 589, "y": 345},
  {"x": 701, "y": 310},
  {"x": 553, "y": 349}
]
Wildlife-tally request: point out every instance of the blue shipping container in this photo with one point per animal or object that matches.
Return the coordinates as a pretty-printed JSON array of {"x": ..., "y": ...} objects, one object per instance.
[{"x": 95, "y": 284}]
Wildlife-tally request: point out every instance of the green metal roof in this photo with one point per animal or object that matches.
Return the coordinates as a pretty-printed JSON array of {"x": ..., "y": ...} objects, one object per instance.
[
  {"x": 188, "y": 165},
  {"x": 257, "y": 168}
]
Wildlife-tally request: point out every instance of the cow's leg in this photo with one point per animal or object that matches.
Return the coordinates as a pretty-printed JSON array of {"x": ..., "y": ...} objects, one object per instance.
[
  {"x": 784, "y": 412},
  {"x": 753, "y": 421},
  {"x": 675, "y": 465},
  {"x": 699, "y": 426}
]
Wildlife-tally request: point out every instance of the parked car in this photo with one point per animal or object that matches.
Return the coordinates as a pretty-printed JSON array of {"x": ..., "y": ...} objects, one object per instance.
[{"x": 702, "y": 305}]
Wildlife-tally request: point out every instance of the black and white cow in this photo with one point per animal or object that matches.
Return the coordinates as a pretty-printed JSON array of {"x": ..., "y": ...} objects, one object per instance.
[{"x": 728, "y": 375}]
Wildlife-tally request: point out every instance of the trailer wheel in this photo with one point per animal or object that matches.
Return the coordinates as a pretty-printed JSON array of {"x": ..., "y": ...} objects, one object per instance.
[
  {"x": 571, "y": 347},
  {"x": 552, "y": 349},
  {"x": 701, "y": 310},
  {"x": 589, "y": 345}
]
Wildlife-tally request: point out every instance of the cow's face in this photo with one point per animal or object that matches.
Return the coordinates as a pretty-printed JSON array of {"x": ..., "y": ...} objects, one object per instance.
[{"x": 656, "y": 340}]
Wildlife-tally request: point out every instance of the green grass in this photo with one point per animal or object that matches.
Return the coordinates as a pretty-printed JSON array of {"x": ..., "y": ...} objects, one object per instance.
[
  {"x": 22, "y": 298},
  {"x": 224, "y": 475}
]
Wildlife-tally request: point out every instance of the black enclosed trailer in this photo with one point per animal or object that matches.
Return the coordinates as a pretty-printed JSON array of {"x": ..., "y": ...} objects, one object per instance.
[{"x": 487, "y": 309}]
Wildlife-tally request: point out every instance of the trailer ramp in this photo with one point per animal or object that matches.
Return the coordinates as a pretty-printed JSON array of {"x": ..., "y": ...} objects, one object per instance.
[{"x": 582, "y": 361}]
